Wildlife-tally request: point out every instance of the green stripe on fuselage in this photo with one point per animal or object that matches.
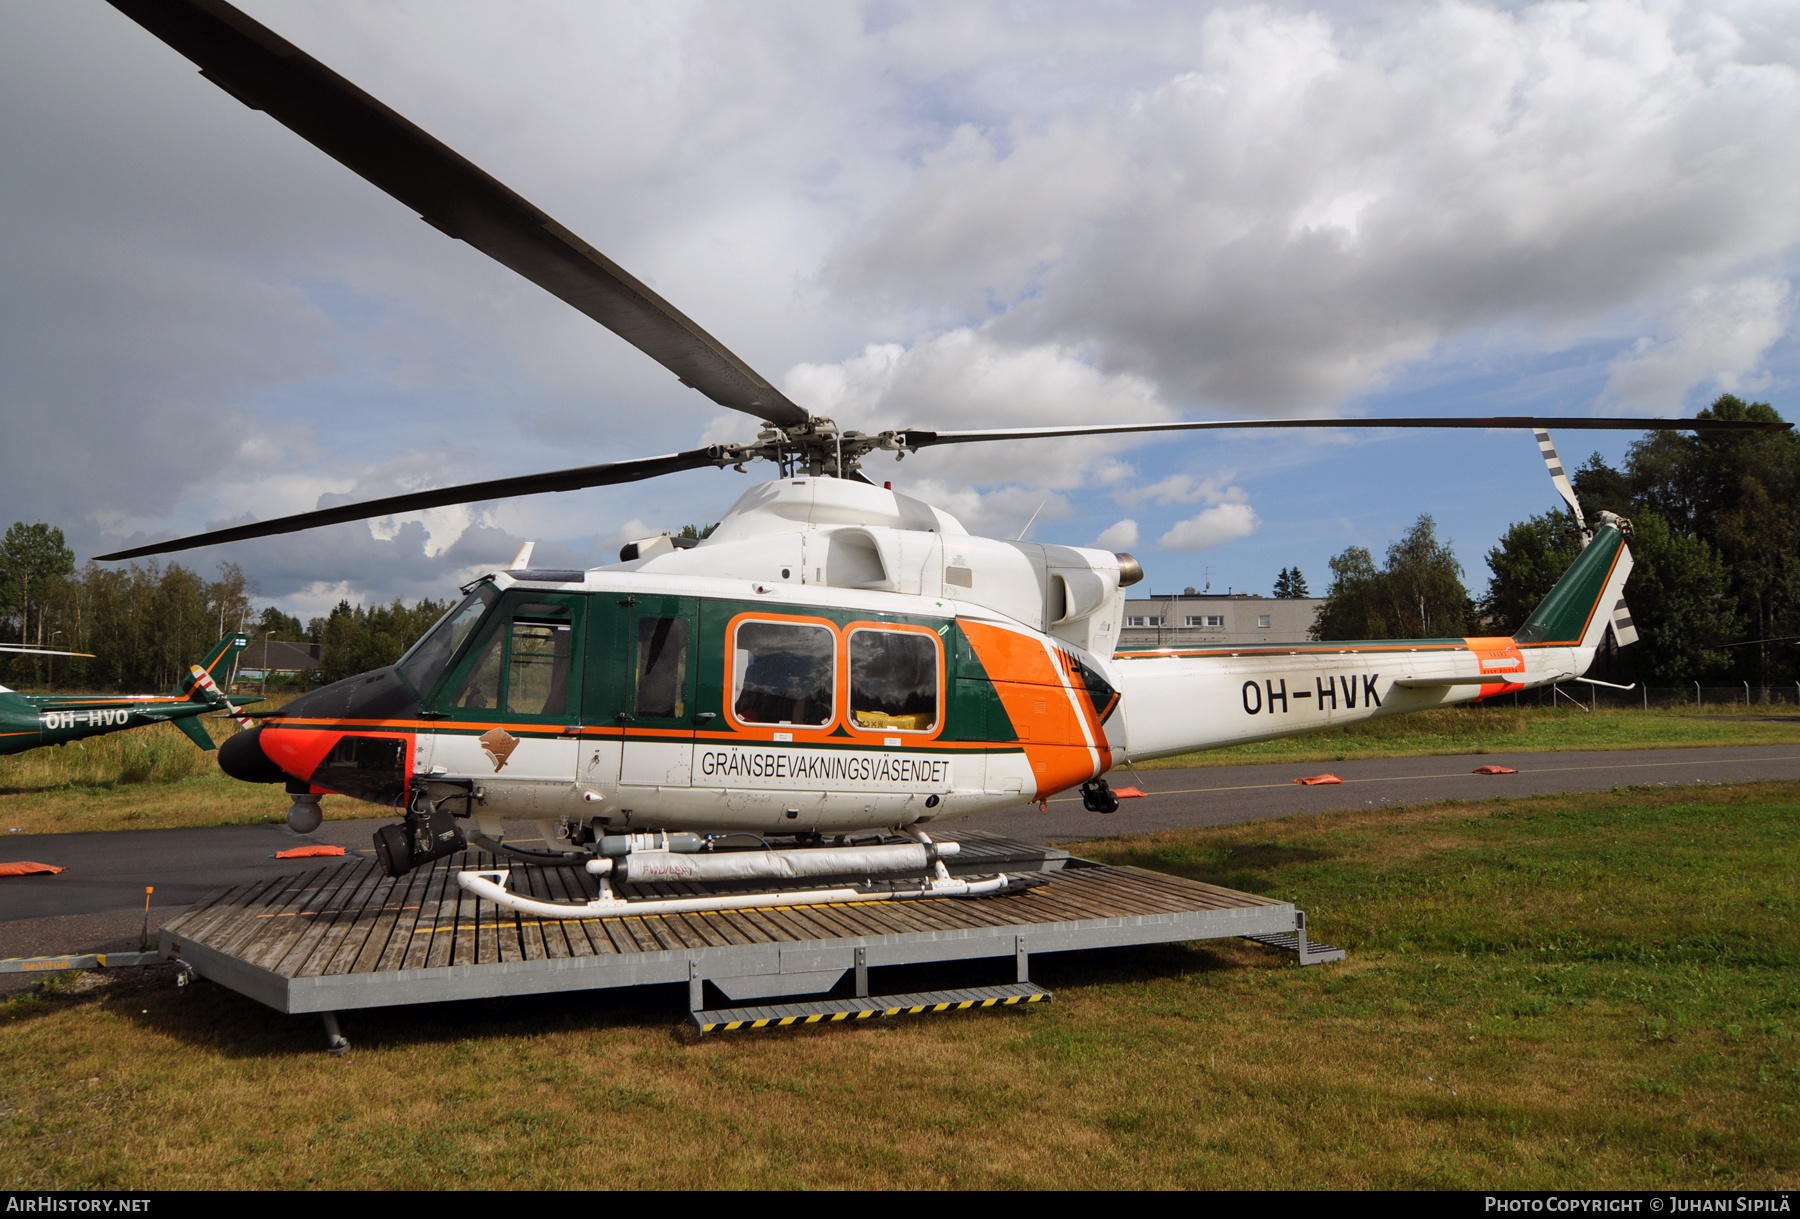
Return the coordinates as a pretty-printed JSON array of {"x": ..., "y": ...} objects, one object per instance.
[{"x": 974, "y": 707}]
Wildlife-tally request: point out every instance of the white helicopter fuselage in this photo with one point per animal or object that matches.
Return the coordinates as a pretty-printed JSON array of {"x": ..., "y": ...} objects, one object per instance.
[{"x": 1017, "y": 688}]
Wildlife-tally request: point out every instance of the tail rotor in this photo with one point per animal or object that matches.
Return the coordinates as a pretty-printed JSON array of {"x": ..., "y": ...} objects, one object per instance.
[{"x": 1624, "y": 633}]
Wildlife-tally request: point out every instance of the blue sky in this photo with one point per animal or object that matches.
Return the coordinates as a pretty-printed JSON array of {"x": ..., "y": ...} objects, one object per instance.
[{"x": 962, "y": 216}]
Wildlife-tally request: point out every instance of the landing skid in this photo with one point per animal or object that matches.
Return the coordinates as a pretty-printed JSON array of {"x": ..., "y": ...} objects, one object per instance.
[{"x": 660, "y": 858}]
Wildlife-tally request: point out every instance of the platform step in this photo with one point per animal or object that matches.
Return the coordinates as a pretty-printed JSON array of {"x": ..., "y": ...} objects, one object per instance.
[
  {"x": 79, "y": 960},
  {"x": 1310, "y": 953},
  {"x": 829, "y": 1011}
]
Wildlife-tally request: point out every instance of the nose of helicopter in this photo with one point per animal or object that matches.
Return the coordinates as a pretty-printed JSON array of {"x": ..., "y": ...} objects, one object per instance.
[
  {"x": 242, "y": 758},
  {"x": 354, "y": 736},
  {"x": 245, "y": 757}
]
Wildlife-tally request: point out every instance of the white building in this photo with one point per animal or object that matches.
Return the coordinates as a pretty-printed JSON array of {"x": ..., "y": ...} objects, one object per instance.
[{"x": 1194, "y": 619}]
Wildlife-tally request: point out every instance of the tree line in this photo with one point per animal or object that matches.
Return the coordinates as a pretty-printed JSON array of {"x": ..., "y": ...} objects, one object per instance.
[
  {"x": 146, "y": 625},
  {"x": 1715, "y": 590}
]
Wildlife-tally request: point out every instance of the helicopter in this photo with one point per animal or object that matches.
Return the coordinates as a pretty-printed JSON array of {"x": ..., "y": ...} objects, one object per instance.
[
  {"x": 30, "y": 720},
  {"x": 796, "y": 702}
]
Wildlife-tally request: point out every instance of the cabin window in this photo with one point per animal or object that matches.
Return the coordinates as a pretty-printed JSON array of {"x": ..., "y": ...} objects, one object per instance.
[
  {"x": 894, "y": 680},
  {"x": 784, "y": 673},
  {"x": 425, "y": 664},
  {"x": 660, "y": 690},
  {"x": 531, "y": 654}
]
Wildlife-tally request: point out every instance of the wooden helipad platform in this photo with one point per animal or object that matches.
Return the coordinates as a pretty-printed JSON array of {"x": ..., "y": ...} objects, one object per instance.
[{"x": 345, "y": 936}]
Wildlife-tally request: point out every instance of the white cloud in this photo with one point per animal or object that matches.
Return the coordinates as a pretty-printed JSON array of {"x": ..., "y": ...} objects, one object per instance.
[
  {"x": 1182, "y": 489},
  {"x": 1317, "y": 200},
  {"x": 1213, "y": 527},
  {"x": 963, "y": 380},
  {"x": 1718, "y": 336},
  {"x": 1120, "y": 535}
]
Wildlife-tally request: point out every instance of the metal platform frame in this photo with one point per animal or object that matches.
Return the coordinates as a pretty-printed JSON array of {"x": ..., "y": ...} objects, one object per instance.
[{"x": 345, "y": 937}]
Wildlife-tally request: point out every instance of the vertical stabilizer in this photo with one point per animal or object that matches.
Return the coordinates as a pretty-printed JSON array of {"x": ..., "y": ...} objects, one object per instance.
[
  {"x": 216, "y": 665},
  {"x": 1581, "y": 607}
]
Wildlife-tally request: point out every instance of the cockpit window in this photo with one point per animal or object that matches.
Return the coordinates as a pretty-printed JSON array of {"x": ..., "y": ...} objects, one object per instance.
[
  {"x": 537, "y": 666},
  {"x": 425, "y": 663},
  {"x": 523, "y": 667}
]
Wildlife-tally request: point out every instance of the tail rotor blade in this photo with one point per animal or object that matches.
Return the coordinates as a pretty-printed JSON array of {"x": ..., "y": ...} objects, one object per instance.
[
  {"x": 1624, "y": 633},
  {"x": 1560, "y": 478}
]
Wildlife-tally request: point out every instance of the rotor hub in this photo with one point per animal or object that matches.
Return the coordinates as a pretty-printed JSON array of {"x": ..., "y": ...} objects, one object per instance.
[{"x": 817, "y": 447}]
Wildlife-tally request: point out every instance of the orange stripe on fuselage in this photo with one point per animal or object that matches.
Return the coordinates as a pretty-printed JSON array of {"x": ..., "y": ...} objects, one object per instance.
[
  {"x": 1040, "y": 704},
  {"x": 299, "y": 751},
  {"x": 1499, "y": 655}
]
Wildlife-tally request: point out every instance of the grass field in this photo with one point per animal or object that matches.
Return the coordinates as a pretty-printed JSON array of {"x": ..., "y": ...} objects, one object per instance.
[
  {"x": 1512, "y": 730},
  {"x": 1561, "y": 992},
  {"x": 153, "y": 778},
  {"x": 147, "y": 778}
]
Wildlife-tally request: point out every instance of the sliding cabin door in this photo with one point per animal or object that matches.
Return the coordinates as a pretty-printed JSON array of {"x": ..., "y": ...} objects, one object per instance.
[{"x": 654, "y": 691}]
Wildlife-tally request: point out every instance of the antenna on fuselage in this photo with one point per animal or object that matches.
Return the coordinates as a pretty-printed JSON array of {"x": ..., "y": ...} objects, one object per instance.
[{"x": 1028, "y": 524}]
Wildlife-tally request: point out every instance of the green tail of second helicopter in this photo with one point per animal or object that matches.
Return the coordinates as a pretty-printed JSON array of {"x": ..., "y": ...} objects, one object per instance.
[{"x": 30, "y": 720}]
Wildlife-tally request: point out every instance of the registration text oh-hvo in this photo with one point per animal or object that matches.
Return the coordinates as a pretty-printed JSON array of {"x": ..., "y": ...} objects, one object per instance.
[
  {"x": 1326, "y": 693},
  {"x": 99, "y": 717}
]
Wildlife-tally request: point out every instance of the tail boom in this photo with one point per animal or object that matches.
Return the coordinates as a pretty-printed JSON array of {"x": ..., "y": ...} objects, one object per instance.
[{"x": 1180, "y": 700}]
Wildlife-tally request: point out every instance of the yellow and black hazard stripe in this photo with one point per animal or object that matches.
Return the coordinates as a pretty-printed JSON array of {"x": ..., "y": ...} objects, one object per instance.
[{"x": 949, "y": 1005}]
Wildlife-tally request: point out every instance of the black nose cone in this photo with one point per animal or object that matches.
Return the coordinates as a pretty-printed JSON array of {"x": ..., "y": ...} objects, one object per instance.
[
  {"x": 376, "y": 695},
  {"x": 242, "y": 757}
]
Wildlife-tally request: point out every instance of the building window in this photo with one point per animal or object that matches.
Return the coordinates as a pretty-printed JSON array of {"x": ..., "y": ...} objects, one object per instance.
[
  {"x": 1217, "y": 620},
  {"x": 1262, "y": 620},
  {"x": 1144, "y": 620}
]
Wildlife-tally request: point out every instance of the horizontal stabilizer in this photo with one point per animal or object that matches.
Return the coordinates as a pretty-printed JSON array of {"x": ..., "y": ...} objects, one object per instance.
[{"x": 194, "y": 731}]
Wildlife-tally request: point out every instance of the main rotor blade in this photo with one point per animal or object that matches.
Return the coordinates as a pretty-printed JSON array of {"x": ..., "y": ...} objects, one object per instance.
[
  {"x": 265, "y": 72},
  {"x": 921, "y": 438},
  {"x": 467, "y": 493}
]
